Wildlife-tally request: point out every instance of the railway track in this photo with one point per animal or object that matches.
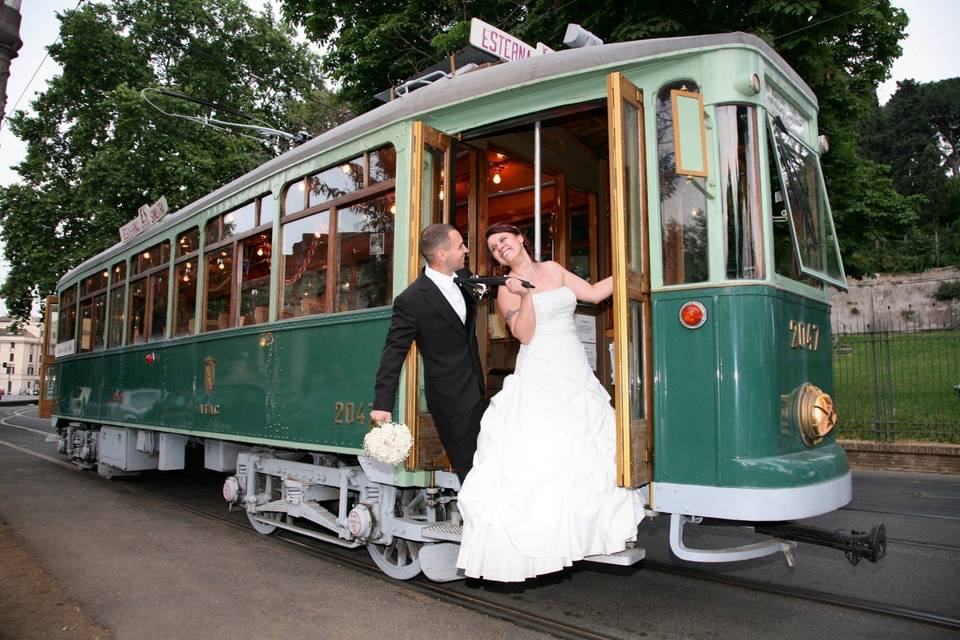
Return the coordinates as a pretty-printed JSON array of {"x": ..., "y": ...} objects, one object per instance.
[{"x": 514, "y": 615}]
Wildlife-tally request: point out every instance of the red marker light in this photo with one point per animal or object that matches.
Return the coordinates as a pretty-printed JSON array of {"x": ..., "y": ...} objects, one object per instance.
[
  {"x": 151, "y": 358},
  {"x": 693, "y": 315}
]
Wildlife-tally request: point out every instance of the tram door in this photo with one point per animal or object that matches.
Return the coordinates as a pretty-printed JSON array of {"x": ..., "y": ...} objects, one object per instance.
[
  {"x": 429, "y": 203},
  {"x": 48, "y": 393},
  {"x": 632, "y": 324}
]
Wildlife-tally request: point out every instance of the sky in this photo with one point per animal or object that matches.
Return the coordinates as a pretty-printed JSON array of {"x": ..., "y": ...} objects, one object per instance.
[{"x": 931, "y": 51}]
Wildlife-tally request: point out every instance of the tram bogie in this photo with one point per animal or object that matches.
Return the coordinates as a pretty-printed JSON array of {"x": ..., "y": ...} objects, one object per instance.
[{"x": 688, "y": 169}]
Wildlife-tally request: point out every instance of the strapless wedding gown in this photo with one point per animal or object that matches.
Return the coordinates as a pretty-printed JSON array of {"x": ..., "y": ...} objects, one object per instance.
[{"x": 542, "y": 492}]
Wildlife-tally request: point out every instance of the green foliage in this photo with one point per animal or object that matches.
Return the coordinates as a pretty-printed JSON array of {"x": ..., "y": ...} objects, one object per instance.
[
  {"x": 948, "y": 290},
  {"x": 917, "y": 133},
  {"x": 96, "y": 151},
  {"x": 842, "y": 48}
]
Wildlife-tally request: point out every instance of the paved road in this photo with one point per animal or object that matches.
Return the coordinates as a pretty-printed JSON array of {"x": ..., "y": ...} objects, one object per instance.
[{"x": 145, "y": 568}]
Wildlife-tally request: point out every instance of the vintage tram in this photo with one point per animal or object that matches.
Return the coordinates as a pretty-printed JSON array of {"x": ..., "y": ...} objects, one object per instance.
[{"x": 248, "y": 325}]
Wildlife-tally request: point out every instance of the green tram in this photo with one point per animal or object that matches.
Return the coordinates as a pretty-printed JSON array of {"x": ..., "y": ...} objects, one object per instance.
[{"x": 249, "y": 324}]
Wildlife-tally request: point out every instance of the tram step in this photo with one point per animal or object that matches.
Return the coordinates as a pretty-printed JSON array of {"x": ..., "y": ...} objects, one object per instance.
[
  {"x": 625, "y": 558},
  {"x": 444, "y": 531}
]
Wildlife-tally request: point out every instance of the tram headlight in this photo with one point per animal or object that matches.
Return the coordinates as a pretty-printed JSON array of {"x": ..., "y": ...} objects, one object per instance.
[{"x": 816, "y": 414}]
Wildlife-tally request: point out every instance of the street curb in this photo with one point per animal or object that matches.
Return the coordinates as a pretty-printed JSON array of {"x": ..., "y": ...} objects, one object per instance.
[{"x": 916, "y": 457}]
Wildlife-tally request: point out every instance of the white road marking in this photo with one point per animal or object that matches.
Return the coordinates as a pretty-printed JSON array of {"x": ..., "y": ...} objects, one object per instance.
[
  {"x": 17, "y": 426},
  {"x": 42, "y": 456}
]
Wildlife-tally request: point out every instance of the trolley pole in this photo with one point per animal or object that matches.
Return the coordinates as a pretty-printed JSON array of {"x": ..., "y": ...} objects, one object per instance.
[{"x": 10, "y": 44}]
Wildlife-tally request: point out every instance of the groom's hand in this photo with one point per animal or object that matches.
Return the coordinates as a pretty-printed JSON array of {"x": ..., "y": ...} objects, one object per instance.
[{"x": 377, "y": 416}]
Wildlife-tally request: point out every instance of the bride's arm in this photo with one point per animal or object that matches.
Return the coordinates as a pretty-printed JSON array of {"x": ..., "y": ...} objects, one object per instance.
[
  {"x": 585, "y": 291},
  {"x": 516, "y": 306}
]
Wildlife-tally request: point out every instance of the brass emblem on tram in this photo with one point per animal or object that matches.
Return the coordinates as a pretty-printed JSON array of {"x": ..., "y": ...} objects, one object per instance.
[
  {"x": 209, "y": 373},
  {"x": 209, "y": 378},
  {"x": 804, "y": 335}
]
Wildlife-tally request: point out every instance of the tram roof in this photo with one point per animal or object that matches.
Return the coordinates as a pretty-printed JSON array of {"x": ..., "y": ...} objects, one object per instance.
[{"x": 457, "y": 89}]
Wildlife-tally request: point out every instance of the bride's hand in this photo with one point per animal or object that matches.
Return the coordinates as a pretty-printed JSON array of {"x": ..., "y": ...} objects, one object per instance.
[{"x": 515, "y": 286}]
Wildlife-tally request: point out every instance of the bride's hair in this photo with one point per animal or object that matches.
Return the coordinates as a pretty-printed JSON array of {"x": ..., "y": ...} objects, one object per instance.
[{"x": 509, "y": 228}]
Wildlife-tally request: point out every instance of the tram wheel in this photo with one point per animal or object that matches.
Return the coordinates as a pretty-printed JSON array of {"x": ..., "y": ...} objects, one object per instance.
[
  {"x": 400, "y": 559},
  {"x": 262, "y": 527}
]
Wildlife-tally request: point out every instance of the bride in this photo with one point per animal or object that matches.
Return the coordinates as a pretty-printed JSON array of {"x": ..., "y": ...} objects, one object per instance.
[{"x": 542, "y": 493}]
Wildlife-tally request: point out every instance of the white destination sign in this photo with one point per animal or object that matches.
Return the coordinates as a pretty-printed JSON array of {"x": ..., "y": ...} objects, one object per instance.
[
  {"x": 502, "y": 44},
  {"x": 147, "y": 215},
  {"x": 66, "y": 348}
]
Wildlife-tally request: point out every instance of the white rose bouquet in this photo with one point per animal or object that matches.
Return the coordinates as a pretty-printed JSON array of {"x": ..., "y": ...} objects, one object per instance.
[{"x": 388, "y": 442}]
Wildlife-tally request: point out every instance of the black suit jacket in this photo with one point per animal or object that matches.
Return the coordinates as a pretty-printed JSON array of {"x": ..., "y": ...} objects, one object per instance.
[{"x": 451, "y": 358}]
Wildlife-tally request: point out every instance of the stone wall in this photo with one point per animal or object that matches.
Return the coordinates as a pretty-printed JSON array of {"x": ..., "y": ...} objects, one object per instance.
[{"x": 895, "y": 301}]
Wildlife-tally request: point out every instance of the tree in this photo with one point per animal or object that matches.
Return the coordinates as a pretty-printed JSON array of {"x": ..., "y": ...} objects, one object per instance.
[
  {"x": 842, "y": 48},
  {"x": 917, "y": 133},
  {"x": 96, "y": 151}
]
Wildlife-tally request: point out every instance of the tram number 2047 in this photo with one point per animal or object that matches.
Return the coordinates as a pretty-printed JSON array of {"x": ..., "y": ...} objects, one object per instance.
[
  {"x": 804, "y": 335},
  {"x": 350, "y": 412}
]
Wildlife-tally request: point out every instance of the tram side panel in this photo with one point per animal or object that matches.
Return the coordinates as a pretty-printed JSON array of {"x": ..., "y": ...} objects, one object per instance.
[
  {"x": 726, "y": 393},
  {"x": 300, "y": 385},
  {"x": 325, "y": 377}
]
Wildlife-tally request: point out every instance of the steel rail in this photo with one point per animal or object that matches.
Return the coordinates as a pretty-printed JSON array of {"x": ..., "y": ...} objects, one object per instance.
[
  {"x": 848, "y": 602},
  {"x": 909, "y": 514}
]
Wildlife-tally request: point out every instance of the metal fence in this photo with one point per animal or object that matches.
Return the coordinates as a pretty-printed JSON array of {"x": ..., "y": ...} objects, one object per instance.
[{"x": 897, "y": 382}]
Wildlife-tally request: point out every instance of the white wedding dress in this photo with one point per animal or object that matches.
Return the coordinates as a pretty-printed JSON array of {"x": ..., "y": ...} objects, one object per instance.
[{"x": 542, "y": 492}]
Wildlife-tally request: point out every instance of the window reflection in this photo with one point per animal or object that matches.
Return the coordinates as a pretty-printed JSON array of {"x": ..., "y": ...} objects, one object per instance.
[
  {"x": 365, "y": 247},
  {"x": 683, "y": 206},
  {"x": 305, "y": 248},
  {"x": 740, "y": 191}
]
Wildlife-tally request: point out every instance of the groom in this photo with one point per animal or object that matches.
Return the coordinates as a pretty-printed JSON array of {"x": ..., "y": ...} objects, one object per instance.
[{"x": 436, "y": 313}]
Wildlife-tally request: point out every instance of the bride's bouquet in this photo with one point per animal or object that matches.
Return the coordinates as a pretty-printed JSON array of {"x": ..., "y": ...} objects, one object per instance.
[{"x": 388, "y": 442}]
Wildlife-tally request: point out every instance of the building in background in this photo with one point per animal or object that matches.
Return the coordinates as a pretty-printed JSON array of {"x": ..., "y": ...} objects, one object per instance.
[
  {"x": 10, "y": 44},
  {"x": 20, "y": 357}
]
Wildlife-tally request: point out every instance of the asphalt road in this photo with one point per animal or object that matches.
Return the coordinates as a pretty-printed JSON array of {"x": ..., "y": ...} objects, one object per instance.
[{"x": 145, "y": 568}]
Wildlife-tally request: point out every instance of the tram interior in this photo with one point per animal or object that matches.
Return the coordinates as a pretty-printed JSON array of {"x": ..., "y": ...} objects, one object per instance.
[{"x": 494, "y": 172}]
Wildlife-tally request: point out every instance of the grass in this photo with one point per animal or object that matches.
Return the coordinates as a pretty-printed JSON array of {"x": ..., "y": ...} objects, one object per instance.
[{"x": 898, "y": 386}]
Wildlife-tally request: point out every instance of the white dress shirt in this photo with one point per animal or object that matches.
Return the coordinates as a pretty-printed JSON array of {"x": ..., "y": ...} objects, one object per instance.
[{"x": 450, "y": 291}]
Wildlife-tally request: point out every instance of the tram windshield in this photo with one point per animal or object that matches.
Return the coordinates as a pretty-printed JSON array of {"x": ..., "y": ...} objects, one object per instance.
[{"x": 811, "y": 224}]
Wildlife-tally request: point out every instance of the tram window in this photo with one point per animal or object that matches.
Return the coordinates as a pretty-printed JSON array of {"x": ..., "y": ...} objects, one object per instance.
[
  {"x": 68, "y": 315},
  {"x": 232, "y": 223},
  {"x": 94, "y": 283},
  {"x": 740, "y": 191},
  {"x": 800, "y": 194},
  {"x": 383, "y": 164},
  {"x": 118, "y": 280},
  {"x": 296, "y": 197},
  {"x": 365, "y": 247},
  {"x": 219, "y": 289},
  {"x": 255, "y": 279},
  {"x": 138, "y": 312},
  {"x": 188, "y": 242},
  {"x": 185, "y": 283},
  {"x": 115, "y": 331},
  {"x": 92, "y": 316},
  {"x": 305, "y": 248},
  {"x": 159, "y": 292},
  {"x": 683, "y": 204},
  {"x": 268, "y": 209},
  {"x": 336, "y": 182},
  {"x": 152, "y": 257},
  {"x": 186, "y": 298}
]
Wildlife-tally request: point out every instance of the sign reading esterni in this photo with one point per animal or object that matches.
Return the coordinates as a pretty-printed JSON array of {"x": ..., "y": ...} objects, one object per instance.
[
  {"x": 502, "y": 44},
  {"x": 147, "y": 216}
]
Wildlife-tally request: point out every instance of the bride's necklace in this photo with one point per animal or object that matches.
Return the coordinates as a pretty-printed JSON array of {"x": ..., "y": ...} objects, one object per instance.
[{"x": 528, "y": 277}]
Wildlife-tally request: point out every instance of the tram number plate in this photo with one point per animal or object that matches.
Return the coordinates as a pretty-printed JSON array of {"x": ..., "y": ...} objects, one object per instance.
[
  {"x": 350, "y": 412},
  {"x": 804, "y": 335}
]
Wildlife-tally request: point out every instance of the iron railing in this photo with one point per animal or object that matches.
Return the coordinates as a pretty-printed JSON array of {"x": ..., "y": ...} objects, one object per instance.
[{"x": 897, "y": 382}]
